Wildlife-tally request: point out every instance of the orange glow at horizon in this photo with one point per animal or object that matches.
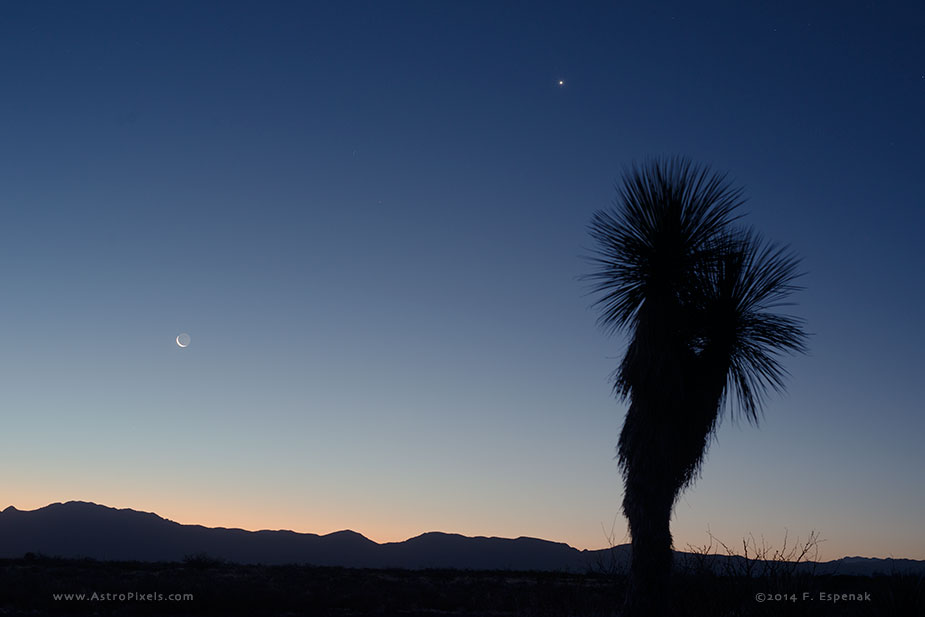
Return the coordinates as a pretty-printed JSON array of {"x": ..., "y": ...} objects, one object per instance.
[
  {"x": 388, "y": 528},
  {"x": 257, "y": 519}
]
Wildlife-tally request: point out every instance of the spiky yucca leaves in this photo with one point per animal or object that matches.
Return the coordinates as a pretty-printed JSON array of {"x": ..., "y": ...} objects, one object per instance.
[
  {"x": 736, "y": 340},
  {"x": 671, "y": 211},
  {"x": 652, "y": 254},
  {"x": 649, "y": 250},
  {"x": 695, "y": 298},
  {"x": 740, "y": 335}
]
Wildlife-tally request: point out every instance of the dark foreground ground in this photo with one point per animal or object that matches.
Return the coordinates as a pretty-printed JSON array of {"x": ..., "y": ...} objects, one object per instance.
[{"x": 40, "y": 586}]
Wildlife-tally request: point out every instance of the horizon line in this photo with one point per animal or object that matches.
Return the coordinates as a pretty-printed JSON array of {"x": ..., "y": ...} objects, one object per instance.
[{"x": 446, "y": 533}]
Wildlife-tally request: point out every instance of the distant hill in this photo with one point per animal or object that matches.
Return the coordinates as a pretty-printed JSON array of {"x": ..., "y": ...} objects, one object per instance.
[{"x": 79, "y": 529}]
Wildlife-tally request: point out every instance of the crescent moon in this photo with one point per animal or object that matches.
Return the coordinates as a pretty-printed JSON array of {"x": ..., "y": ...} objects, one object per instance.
[{"x": 185, "y": 337}]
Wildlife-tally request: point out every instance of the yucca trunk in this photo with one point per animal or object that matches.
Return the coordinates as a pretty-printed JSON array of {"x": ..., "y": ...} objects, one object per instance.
[
  {"x": 664, "y": 437},
  {"x": 647, "y": 504},
  {"x": 645, "y": 453}
]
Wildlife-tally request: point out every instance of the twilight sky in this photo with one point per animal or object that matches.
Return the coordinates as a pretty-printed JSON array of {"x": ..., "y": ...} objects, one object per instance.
[{"x": 371, "y": 217}]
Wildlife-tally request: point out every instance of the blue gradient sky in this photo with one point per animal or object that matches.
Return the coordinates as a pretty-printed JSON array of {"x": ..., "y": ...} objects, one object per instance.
[{"x": 371, "y": 219}]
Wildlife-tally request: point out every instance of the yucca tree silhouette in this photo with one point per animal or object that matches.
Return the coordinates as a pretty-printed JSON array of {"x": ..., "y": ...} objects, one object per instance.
[{"x": 696, "y": 297}]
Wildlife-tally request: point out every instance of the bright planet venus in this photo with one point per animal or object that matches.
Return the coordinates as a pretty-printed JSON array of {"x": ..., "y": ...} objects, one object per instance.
[{"x": 183, "y": 340}]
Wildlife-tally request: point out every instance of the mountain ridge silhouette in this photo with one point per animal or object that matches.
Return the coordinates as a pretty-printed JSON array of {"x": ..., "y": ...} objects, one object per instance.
[{"x": 80, "y": 529}]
